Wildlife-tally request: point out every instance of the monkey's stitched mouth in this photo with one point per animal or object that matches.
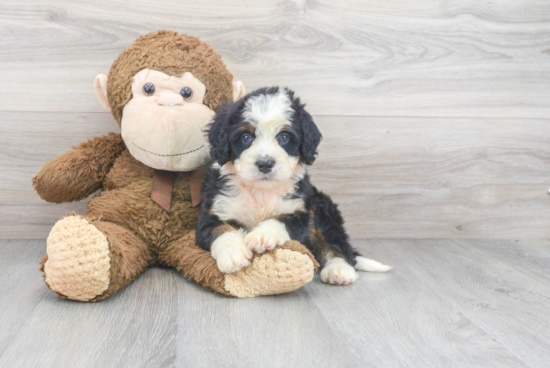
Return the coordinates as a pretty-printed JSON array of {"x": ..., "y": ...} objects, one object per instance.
[{"x": 176, "y": 154}]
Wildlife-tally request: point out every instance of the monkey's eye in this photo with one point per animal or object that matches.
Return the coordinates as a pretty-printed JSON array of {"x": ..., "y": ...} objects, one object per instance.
[
  {"x": 186, "y": 93},
  {"x": 247, "y": 138},
  {"x": 283, "y": 138},
  {"x": 149, "y": 89}
]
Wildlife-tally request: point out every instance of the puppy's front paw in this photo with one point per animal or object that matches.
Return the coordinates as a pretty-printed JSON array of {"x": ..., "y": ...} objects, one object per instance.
[
  {"x": 266, "y": 236},
  {"x": 339, "y": 272},
  {"x": 230, "y": 252}
]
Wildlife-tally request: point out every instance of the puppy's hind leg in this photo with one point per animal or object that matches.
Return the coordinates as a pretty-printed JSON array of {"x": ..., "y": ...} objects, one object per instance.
[
  {"x": 336, "y": 252},
  {"x": 338, "y": 271}
]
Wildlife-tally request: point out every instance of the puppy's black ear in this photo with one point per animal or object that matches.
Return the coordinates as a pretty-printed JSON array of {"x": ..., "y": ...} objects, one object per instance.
[
  {"x": 218, "y": 135},
  {"x": 311, "y": 136}
]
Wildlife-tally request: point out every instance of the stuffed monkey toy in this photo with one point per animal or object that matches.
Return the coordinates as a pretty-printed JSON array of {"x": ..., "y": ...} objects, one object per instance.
[{"x": 162, "y": 90}]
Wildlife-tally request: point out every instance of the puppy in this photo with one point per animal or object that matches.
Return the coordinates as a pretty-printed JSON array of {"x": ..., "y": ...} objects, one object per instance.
[{"x": 257, "y": 194}]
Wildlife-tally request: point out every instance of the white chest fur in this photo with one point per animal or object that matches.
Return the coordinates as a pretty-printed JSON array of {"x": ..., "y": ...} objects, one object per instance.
[{"x": 250, "y": 206}]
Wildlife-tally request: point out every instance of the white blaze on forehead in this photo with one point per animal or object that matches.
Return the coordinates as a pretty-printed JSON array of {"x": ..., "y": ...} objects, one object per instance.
[
  {"x": 268, "y": 107},
  {"x": 269, "y": 114}
]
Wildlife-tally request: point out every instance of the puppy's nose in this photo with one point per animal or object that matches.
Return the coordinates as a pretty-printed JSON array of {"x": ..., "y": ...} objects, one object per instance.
[
  {"x": 265, "y": 164},
  {"x": 170, "y": 99}
]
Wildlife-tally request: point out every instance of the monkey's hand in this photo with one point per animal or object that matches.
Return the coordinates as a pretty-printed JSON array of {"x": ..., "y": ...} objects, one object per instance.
[{"x": 79, "y": 172}]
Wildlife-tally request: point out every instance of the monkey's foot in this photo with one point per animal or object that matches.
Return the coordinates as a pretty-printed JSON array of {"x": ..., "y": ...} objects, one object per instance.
[
  {"x": 78, "y": 264},
  {"x": 282, "y": 270}
]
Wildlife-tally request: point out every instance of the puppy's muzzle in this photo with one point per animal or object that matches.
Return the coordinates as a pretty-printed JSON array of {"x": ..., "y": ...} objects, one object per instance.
[{"x": 265, "y": 165}]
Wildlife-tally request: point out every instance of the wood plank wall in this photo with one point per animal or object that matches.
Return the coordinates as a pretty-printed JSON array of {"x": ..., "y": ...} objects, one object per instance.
[{"x": 436, "y": 114}]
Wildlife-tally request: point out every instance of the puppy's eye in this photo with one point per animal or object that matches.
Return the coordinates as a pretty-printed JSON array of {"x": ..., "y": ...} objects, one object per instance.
[
  {"x": 149, "y": 89},
  {"x": 247, "y": 138},
  {"x": 283, "y": 138},
  {"x": 186, "y": 93}
]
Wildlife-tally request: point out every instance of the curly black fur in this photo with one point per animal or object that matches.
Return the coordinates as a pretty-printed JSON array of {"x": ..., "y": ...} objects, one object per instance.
[{"x": 319, "y": 226}]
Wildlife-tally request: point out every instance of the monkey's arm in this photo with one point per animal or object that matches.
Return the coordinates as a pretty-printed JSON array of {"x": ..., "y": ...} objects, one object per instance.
[{"x": 79, "y": 172}]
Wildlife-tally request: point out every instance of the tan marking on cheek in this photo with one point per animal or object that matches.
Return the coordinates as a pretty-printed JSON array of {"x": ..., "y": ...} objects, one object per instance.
[
  {"x": 228, "y": 168},
  {"x": 299, "y": 169}
]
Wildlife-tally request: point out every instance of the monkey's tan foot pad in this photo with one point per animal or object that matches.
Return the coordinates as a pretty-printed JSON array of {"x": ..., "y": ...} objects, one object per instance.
[
  {"x": 78, "y": 263},
  {"x": 282, "y": 270}
]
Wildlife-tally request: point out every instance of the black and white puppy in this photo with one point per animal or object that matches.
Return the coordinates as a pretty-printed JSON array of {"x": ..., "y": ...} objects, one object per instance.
[{"x": 257, "y": 194}]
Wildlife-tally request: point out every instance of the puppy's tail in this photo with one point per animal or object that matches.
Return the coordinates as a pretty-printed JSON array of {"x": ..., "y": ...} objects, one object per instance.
[{"x": 370, "y": 265}]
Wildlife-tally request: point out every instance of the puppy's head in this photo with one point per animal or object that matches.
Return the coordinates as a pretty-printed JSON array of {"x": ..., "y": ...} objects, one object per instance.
[{"x": 265, "y": 138}]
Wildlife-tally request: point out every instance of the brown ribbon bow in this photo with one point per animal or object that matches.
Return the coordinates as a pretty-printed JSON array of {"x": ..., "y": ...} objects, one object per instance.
[{"x": 163, "y": 184}]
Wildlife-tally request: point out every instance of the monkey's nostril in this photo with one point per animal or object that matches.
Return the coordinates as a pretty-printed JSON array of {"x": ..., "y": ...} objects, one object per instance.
[{"x": 265, "y": 165}]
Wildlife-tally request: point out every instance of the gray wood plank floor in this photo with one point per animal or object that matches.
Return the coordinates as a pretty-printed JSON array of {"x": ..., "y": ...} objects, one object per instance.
[{"x": 452, "y": 303}]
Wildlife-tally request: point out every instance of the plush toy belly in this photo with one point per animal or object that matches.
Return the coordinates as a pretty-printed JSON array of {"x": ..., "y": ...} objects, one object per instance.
[{"x": 133, "y": 208}]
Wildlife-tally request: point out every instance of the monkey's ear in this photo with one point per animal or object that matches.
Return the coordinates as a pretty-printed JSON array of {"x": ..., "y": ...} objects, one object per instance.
[
  {"x": 100, "y": 86},
  {"x": 238, "y": 90},
  {"x": 311, "y": 137},
  {"x": 218, "y": 136}
]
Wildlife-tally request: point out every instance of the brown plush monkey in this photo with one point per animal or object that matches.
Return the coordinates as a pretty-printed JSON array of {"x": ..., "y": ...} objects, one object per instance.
[{"x": 163, "y": 90}]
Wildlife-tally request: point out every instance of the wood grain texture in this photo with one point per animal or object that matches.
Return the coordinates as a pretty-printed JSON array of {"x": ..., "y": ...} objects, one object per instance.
[
  {"x": 396, "y": 320},
  {"x": 280, "y": 331},
  {"x": 435, "y": 113},
  {"x": 455, "y": 303},
  {"x": 376, "y": 58},
  {"x": 508, "y": 305},
  {"x": 392, "y": 177},
  {"x": 530, "y": 257},
  {"x": 437, "y": 178}
]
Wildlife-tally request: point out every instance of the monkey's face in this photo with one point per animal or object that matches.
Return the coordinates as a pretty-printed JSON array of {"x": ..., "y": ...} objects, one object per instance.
[{"x": 162, "y": 125}]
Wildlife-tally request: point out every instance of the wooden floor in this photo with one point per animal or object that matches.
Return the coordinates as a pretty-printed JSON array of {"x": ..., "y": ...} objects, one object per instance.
[{"x": 447, "y": 303}]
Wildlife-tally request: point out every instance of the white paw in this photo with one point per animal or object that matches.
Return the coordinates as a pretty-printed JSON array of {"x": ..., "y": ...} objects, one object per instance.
[
  {"x": 338, "y": 271},
  {"x": 266, "y": 236},
  {"x": 230, "y": 253}
]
